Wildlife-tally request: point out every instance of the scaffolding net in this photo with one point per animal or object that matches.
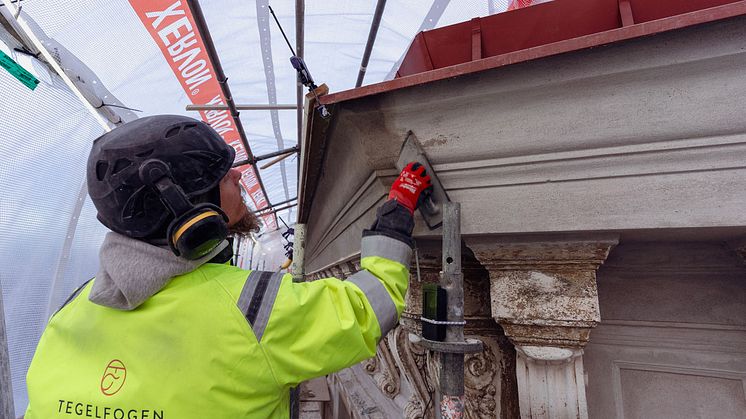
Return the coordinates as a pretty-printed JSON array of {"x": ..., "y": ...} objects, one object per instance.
[{"x": 50, "y": 235}]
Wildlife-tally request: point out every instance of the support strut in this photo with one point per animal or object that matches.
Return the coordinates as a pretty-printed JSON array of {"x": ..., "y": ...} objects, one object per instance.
[{"x": 438, "y": 210}]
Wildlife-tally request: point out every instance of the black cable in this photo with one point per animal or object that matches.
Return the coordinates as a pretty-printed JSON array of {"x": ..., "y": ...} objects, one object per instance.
[
  {"x": 281, "y": 31},
  {"x": 119, "y": 106},
  {"x": 430, "y": 399},
  {"x": 430, "y": 394},
  {"x": 27, "y": 52},
  {"x": 304, "y": 75},
  {"x": 12, "y": 1}
]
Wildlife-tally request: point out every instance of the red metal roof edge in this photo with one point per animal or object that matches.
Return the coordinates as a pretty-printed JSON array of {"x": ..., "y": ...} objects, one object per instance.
[{"x": 568, "y": 45}]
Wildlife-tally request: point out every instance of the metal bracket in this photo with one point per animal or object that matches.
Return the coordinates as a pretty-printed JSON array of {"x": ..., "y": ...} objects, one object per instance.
[{"x": 469, "y": 346}]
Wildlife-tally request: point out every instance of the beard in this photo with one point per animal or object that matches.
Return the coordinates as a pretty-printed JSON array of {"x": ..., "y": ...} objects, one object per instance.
[{"x": 249, "y": 223}]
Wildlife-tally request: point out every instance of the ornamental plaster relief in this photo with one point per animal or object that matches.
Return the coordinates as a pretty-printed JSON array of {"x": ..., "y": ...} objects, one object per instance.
[{"x": 407, "y": 374}]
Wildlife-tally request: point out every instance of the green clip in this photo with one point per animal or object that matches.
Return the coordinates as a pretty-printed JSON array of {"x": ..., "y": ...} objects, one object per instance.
[{"x": 18, "y": 72}]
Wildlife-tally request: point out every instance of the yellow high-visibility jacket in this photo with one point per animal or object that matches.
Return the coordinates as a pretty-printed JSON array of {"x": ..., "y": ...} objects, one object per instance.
[{"x": 218, "y": 342}]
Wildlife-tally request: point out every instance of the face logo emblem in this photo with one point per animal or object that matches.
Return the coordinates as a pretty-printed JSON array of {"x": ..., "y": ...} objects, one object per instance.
[{"x": 113, "y": 379}]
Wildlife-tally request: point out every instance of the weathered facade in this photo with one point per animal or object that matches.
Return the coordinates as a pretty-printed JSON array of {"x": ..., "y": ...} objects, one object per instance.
[{"x": 603, "y": 221}]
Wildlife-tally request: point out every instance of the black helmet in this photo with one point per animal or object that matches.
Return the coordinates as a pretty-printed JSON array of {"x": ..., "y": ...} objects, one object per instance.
[{"x": 196, "y": 155}]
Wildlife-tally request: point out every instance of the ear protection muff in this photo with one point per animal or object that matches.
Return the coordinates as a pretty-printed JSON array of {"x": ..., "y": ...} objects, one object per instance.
[{"x": 196, "y": 229}]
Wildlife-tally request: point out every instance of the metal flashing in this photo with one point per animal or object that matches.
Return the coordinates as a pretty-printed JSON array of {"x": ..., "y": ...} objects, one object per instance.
[{"x": 535, "y": 32}]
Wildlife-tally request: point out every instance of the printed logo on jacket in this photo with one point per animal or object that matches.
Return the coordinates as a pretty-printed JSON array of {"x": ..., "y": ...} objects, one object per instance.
[
  {"x": 114, "y": 376},
  {"x": 112, "y": 382}
]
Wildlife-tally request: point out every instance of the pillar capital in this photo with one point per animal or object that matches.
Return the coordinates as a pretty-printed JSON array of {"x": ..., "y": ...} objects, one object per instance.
[
  {"x": 548, "y": 355},
  {"x": 542, "y": 252},
  {"x": 543, "y": 288}
]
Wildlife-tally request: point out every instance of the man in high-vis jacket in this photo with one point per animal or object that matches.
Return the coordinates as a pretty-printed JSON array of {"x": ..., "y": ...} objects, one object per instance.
[{"x": 167, "y": 329}]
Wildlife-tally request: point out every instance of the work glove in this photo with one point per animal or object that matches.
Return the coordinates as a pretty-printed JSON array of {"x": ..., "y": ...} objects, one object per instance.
[
  {"x": 411, "y": 187},
  {"x": 395, "y": 217}
]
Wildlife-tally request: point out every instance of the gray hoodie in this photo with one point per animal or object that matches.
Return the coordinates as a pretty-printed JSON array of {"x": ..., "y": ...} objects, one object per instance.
[{"x": 131, "y": 271}]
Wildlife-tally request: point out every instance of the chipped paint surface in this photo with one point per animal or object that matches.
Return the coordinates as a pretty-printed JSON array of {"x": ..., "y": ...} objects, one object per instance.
[
  {"x": 452, "y": 407},
  {"x": 543, "y": 292},
  {"x": 544, "y": 282},
  {"x": 535, "y": 295}
]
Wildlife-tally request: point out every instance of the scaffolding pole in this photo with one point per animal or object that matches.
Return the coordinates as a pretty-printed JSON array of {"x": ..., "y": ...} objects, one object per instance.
[
  {"x": 454, "y": 346},
  {"x": 7, "y": 410},
  {"x": 299, "y": 253},
  {"x": 199, "y": 20},
  {"x": 452, "y": 364},
  {"x": 375, "y": 24},
  {"x": 244, "y": 107},
  {"x": 300, "y": 14}
]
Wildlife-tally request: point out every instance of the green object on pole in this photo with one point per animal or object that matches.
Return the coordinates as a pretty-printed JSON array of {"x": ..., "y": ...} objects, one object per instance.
[{"x": 18, "y": 72}]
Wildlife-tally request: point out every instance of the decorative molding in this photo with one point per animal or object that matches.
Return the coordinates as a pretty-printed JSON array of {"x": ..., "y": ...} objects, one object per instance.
[
  {"x": 399, "y": 363},
  {"x": 348, "y": 386},
  {"x": 418, "y": 368},
  {"x": 341, "y": 269},
  {"x": 482, "y": 382},
  {"x": 414, "y": 408},
  {"x": 551, "y": 252},
  {"x": 686, "y": 337},
  {"x": 349, "y": 268},
  {"x": 579, "y": 167},
  {"x": 672, "y": 325},
  {"x": 739, "y": 247},
  {"x": 384, "y": 371},
  {"x": 366, "y": 198},
  {"x": 678, "y": 258},
  {"x": 548, "y": 333},
  {"x": 337, "y": 272},
  {"x": 677, "y": 155},
  {"x": 545, "y": 268}
]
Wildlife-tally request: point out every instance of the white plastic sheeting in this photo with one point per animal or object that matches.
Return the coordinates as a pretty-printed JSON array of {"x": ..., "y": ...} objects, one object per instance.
[
  {"x": 45, "y": 249},
  {"x": 108, "y": 36},
  {"x": 265, "y": 253},
  {"x": 45, "y": 135}
]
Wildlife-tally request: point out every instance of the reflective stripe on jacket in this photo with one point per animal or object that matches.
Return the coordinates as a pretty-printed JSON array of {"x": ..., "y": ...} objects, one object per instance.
[{"x": 218, "y": 342}]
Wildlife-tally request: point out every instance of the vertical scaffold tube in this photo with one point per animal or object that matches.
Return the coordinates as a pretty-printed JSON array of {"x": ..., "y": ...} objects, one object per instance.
[
  {"x": 452, "y": 364},
  {"x": 297, "y": 269},
  {"x": 6, "y": 390}
]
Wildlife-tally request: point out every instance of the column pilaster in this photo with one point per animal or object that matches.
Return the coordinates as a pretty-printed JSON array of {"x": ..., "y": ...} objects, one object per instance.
[{"x": 543, "y": 293}]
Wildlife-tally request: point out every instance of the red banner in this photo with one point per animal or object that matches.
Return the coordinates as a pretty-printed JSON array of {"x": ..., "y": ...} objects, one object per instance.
[
  {"x": 171, "y": 24},
  {"x": 517, "y": 4}
]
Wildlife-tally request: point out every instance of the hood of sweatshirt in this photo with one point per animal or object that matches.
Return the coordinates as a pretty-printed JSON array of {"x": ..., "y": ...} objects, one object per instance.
[{"x": 131, "y": 271}]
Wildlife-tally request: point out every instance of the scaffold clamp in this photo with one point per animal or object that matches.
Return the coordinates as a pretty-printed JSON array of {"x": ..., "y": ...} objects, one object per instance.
[{"x": 469, "y": 346}]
